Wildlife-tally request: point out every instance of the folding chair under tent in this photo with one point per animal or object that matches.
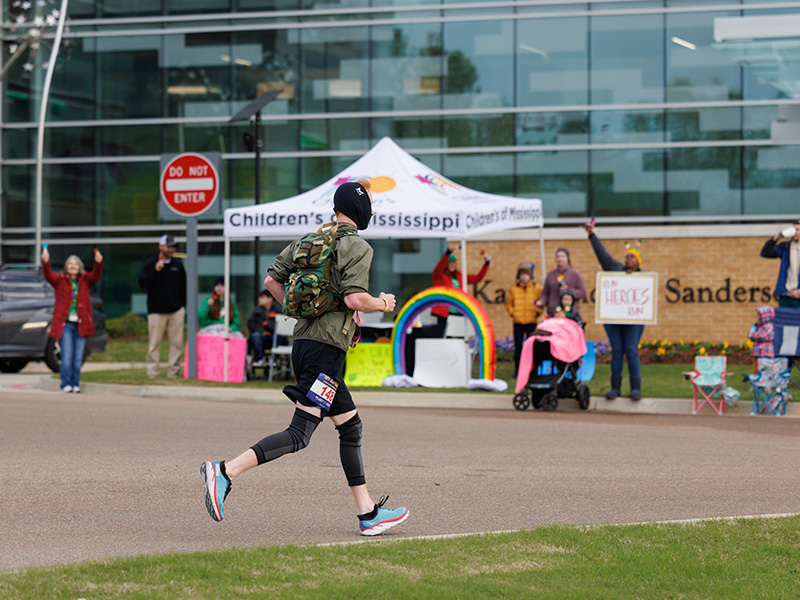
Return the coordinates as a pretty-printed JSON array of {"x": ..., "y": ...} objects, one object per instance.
[{"x": 410, "y": 200}]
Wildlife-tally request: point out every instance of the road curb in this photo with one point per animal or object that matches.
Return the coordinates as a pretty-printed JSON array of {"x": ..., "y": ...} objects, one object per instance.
[{"x": 399, "y": 399}]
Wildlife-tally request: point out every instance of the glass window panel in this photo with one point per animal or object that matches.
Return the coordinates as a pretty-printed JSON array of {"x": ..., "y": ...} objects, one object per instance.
[
  {"x": 127, "y": 141},
  {"x": 485, "y": 130},
  {"x": 68, "y": 194},
  {"x": 757, "y": 121},
  {"x": 198, "y": 74},
  {"x": 771, "y": 180},
  {"x": 695, "y": 70},
  {"x": 19, "y": 143},
  {"x": 559, "y": 179},
  {"x": 703, "y": 181},
  {"x": 423, "y": 132},
  {"x": 18, "y": 189},
  {"x": 627, "y": 182},
  {"x": 552, "y": 128},
  {"x": 73, "y": 90},
  {"x": 490, "y": 173},
  {"x": 265, "y": 61},
  {"x": 623, "y": 126},
  {"x": 129, "y": 193},
  {"x": 407, "y": 69},
  {"x": 196, "y": 137},
  {"x": 126, "y": 8},
  {"x": 480, "y": 61},
  {"x": 276, "y": 136},
  {"x": 698, "y": 124},
  {"x": 336, "y": 134},
  {"x": 254, "y": 5},
  {"x": 180, "y": 7},
  {"x": 552, "y": 61},
  {"x": 334, "y": 69},
  {"x": 130, "y": 78},
  {"x": 279, "y": 180},
  {"x": 627, "y": 61}
]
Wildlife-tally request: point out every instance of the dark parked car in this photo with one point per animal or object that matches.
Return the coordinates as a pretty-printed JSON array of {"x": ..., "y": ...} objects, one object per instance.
[{"x": 26, "y": 309}]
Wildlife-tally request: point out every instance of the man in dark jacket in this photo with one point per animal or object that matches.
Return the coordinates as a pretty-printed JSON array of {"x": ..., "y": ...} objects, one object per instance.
[
  {"x": 164, "y": 279},
  {"x": 786, "y": 246}
]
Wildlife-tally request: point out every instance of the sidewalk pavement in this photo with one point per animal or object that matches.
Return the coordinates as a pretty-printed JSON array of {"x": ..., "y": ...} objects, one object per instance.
[{"x": 41, "y": 378}]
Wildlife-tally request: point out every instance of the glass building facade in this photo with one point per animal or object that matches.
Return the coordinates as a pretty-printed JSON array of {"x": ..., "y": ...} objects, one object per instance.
[{"x": 625, "y": 109}]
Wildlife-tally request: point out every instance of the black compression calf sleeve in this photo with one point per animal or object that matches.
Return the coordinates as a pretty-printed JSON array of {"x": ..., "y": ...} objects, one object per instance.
[
  {"x": 292, "y": 439},
  {"x": 350, "y": 451}
]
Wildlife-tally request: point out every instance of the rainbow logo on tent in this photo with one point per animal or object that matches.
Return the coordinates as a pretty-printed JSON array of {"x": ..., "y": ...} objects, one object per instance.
[{"x": 463, "y": 303}]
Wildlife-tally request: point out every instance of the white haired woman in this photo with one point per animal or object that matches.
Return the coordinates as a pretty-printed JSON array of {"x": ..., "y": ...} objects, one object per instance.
[{"x": 73, "y": 321}]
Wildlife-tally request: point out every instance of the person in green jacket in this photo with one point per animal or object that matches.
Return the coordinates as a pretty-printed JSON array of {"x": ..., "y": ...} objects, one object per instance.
[{"x": 211, "y": 309}]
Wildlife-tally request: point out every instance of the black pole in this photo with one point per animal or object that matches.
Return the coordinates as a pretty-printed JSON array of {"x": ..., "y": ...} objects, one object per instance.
[
  {"x": 248, "y": 112},
  {"x": 256, "y": 250}
]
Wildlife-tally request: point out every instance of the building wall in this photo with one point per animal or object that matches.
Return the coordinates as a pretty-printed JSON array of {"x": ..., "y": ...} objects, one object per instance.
[{"x": 684, "y": 266}]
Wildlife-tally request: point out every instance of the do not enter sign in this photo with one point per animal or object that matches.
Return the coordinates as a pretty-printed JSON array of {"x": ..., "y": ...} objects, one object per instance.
[{"x": 189, "y": 184}]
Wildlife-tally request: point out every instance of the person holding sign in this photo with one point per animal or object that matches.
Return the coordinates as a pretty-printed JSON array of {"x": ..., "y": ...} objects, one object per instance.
[
  {"x": 320, "y": 345},
  {"x": 624, "y": 339}
]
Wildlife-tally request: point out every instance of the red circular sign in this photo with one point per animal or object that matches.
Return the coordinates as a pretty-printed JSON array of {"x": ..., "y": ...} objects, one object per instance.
[{"x": 189, "y": 184}]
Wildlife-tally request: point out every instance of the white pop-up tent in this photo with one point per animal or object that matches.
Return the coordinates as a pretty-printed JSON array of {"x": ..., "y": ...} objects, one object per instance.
[{"x": 410, "y": 200}]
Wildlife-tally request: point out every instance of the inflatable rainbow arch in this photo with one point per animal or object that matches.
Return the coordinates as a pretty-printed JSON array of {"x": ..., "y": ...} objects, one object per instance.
[{"x": 464, "y": 304}]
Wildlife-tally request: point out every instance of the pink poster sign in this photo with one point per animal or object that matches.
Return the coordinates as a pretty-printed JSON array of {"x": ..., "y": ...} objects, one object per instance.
[{"x": 211, "y": 358}]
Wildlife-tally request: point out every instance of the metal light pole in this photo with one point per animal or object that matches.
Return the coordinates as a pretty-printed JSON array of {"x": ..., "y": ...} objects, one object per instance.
[
  {"x": 51, "y": 65},
  {"x": 253, "y": 110}
]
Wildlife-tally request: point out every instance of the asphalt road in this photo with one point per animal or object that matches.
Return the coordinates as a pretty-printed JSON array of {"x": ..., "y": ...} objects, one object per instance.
[{"x": 89, "y": 477}]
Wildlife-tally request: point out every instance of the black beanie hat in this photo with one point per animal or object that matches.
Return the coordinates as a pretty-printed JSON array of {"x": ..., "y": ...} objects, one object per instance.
[{"x": 352, "y": 200}]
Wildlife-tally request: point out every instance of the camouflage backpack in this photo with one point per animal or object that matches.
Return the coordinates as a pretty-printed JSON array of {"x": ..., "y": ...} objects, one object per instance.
[{"x": 309, "y": 290}]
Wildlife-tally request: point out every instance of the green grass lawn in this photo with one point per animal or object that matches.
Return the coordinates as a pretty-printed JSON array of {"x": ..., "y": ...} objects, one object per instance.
[
  {"x": 745, "y": 558},
  {"x": 658, "y": 380}
]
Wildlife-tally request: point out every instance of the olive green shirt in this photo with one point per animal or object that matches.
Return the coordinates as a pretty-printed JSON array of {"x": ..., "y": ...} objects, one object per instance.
[{"x": 352, "y": 258}]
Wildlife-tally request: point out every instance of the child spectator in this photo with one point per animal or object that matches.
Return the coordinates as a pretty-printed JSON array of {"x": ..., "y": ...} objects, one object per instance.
[
  {"x": 261, "y": 325},
  {"x": 521, "y": 307},
  {"x": 762, "y": 334},
  {"x": 567, "y": 307}
]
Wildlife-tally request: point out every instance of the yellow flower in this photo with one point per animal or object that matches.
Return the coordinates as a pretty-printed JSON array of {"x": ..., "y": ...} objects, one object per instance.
[
  {"x": 655, "y": 342},
  {"x": 661, "y": 352},
  {"x": 701, "y": 351},
  {"x": 664, "y": 343},
  {"x": 697, "y": 342},
  {"x": 725, "y": 344}
]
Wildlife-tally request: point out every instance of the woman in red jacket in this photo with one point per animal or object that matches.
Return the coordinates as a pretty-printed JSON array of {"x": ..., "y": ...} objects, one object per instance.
[
  {"x": 72, "y": 314},
  {"x": 447, "y": 274}
]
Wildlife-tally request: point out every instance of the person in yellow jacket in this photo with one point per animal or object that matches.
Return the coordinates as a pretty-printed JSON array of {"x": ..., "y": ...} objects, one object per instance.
[{"x": 520, "y": 306}]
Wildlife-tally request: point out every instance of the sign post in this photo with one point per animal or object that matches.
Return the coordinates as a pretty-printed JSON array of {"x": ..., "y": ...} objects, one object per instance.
[{"x": 190, "y": 186}]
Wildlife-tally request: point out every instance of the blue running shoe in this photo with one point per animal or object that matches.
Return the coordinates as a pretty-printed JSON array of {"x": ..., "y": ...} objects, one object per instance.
[
  {"x": 216, "y": 487},
  {"x": 381, "y": 519}
]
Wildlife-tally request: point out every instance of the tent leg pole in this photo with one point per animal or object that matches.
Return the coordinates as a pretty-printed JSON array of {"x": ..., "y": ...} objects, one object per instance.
[
  {"x": 542, "y": 268},
  {"x": 227, "y": 301}
]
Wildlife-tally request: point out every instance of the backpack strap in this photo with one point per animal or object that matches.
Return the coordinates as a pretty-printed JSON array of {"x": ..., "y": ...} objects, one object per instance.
[{"x": 332, "y": 231}]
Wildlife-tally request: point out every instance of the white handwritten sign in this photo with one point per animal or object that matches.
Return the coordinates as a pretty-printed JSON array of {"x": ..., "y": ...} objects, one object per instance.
[{"x": 626, "y": 299}]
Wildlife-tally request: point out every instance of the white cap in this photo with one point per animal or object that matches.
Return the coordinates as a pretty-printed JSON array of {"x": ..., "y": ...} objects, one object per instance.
[{"x": 167, "y": 240}]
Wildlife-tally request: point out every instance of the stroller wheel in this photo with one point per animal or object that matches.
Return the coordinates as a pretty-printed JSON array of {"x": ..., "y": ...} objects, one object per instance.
[
  {"x": 550, "y": 402},
  {"x": 583, "y": 397},
  {"x": 521, "y": 401}
]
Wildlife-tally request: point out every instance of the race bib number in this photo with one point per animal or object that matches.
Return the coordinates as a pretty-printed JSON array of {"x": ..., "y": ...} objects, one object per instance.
[{"x": 322, "y": 391}]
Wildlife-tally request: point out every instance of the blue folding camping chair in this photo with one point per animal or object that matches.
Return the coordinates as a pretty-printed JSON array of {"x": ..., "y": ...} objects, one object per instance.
[{"x": 770, "y": 386}]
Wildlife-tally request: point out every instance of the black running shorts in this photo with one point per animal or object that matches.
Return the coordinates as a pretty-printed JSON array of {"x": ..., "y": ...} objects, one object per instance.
[{"x": 309, "y": 359}]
